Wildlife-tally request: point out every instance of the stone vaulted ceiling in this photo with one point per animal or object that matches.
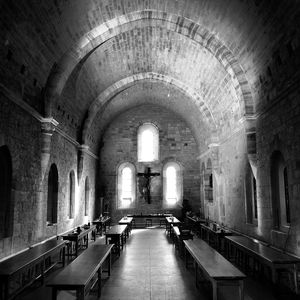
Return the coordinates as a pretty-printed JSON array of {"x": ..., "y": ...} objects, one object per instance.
[{"x": 201, "y": 59}]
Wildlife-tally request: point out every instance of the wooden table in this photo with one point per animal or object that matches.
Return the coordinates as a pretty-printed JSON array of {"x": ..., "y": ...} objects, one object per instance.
[
  {"x": 265, "y": 255},
  {"x": 21, "y": 270},
  {"x": 142, "y": 218},
  {"x": 127, "y": 221},
  {"x": 80, "y": 274},
  {"x": 77, "y": 238},
  {"x": 178, "y": 239},
  {"x": 102, "y": 224},
  {"x": 171, "y": 221},
  {"x": 117, "y": 235},
  {"x": 194, "y": 223},
  {"x": 214, "y": 237},
  {"x": 214, "y": 266}
]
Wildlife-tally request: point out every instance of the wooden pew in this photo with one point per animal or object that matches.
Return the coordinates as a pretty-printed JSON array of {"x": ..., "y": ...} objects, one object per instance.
[
  {"x": 21, "y": 270},
  {"x": 80, "y": 274},
  {"x": 261, "y": 253},
  {"x": 214, "y": 266}
]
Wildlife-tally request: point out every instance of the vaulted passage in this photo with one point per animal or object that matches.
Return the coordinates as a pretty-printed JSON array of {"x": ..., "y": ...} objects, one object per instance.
[{"x": 163, "y": 107}]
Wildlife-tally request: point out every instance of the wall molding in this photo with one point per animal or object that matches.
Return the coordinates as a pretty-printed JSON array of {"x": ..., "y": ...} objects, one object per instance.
[{"x": 12, "y": 96}]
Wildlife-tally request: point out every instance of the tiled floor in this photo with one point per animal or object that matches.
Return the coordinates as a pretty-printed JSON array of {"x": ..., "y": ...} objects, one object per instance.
[{"x": 149, "y": 269}]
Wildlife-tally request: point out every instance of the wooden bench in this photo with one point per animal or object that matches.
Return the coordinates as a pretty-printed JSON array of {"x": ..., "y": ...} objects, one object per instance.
[
  {"x": 21, "y": 270},
  {"x": 214, "y": 266},
  {"x": 246, "y": 248},
  {"x": 83, "y": 273}
]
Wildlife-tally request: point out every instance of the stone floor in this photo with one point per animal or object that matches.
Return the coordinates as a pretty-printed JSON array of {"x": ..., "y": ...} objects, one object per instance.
[{"x": 150, "y": 269}]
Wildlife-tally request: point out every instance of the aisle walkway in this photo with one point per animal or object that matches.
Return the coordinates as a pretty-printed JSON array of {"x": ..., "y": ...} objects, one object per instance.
[{"x": 149, "y": 269}]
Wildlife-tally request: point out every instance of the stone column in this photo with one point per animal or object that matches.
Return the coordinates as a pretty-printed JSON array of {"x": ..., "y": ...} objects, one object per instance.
[
  {"x": 82, "y": 150},
  {"x": 48, "y": 126}
]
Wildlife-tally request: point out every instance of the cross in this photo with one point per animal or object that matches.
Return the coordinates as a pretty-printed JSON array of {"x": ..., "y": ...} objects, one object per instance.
[{"x": 146, "y": 184}]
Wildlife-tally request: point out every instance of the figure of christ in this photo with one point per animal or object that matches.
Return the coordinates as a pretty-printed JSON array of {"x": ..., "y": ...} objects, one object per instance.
[{"x": 145, "y": 183}]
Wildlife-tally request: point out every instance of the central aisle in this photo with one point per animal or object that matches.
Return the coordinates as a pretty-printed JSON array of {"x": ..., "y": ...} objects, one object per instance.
[{"x": 148, "y": 268}]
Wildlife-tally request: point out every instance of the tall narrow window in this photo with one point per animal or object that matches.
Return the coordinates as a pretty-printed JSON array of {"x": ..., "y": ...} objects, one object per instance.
[
  {"x": 172, "y": 183},
  {"x": 280, "y": 191},
  {"x": 71, "y": 194},
  {"x": 208, "y": 179},
  {"x": 250, "y": 196},
  {"x": 86, "y": 196},
  {"x": 6, "y": 207},
  {"x": 52, "y": 195},
  {"x": 126, "y": 186},
  {"x": 148, "y": 143}
]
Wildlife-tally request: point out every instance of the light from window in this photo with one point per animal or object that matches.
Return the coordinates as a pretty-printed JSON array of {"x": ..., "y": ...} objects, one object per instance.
[
  {"x": 147, "y": 142},
  {"x": 171, "y": 185},
  {"x": 126, "y": 186}
]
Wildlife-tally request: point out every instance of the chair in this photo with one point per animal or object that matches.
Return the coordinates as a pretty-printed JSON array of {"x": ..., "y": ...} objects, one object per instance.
[
  {"x": 133, "y": 223},
  {"x": 162, "y": 222},
  {"x": 148, "y": 222}
]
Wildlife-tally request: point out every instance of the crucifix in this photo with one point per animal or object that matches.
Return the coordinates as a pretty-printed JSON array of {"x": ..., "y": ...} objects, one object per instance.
[{"x": 145, "y": 183}]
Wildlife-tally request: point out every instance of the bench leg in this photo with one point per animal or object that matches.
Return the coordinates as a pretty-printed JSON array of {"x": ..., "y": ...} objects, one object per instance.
[
  {"x": 241, "y": 285},
  {"x": 215, "y": 290},
  {"x": 99, "y": 282},
  {"x": 54, "y": 293},
  {"x": 80, "y": 294},
  {"x": 109, "y": 263}
]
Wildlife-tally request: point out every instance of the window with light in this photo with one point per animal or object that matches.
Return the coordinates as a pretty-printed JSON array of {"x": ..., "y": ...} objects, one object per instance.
[
  {"x": 126, "y": 186},
  {"x": 172, "y": 177},
  {"x": 148, "y": 142}
]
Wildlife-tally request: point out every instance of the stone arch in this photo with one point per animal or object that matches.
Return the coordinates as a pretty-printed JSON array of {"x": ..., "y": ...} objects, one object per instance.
[
  {"x": 279, "y": 191},
  {"x": 103, "y": 99},
  {"x": 52, "y": 196},
  {"x": 99, "y": 35}
]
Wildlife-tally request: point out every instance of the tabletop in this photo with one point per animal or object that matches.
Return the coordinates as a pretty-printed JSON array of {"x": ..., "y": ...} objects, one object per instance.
[
  {"x": 212, "y": 261},
  {"x": 116, "y": 229},
  {"x": 15, "y": 263},
  {"x": 79, "y": 271},
  {"x": 267, "y": 253}
]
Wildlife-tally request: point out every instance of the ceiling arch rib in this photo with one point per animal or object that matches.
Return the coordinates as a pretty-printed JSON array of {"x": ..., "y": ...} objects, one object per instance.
[
  {"x": 153, "y": 93},
  {"x": 101, "y": 101},
  {"x": 179, "y": 24}
]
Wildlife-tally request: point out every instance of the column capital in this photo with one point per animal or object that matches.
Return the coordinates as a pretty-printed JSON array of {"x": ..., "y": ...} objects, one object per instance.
[{"x": 48, "y": 125}]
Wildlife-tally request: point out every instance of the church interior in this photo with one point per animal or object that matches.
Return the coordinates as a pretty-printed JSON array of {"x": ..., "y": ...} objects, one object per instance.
[{"x": 150, "y": 112}]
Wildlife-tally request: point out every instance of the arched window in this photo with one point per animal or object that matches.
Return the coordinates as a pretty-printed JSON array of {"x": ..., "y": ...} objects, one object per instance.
[
  {"x": 208, "y": 182},
  {"x": 52, "y": 195},
  {"x": 126, "y": 186},
  {"x": 148, "y": 143},
  {"x": 172, "y": 183},
  {"x": 6, "y": 207},
  {"x": 250, "y": 196},
  {"x": 71, "y": 194},
  {"x": 280, "y": 191},
  {"x": 86, "y": 196}
]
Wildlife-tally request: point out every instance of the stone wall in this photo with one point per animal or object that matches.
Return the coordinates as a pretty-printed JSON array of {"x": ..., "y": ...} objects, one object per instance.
[
  {"x": 21, "y": 133},
  {"x": 176, "y": 143}
]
